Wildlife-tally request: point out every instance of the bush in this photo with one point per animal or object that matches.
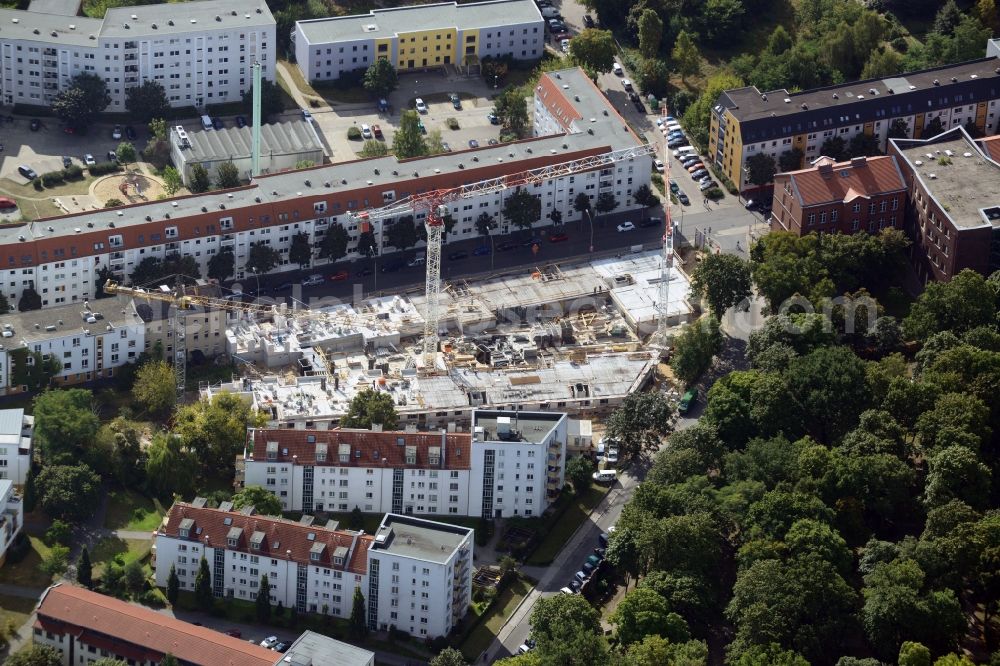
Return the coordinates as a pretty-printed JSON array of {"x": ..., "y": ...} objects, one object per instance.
[
  {"x": 73, "y": 172},
  {"x": 354, "y": 134},
  {"x": 150, "y": 598},
  {"x": 37, "y": 184},
  {"x": 452, "y": 123},
  {"x": 53, "y": 178},
  {"x": 900, "y": 44},
  {"x": 18, "y": 549},
  {"x": 102, "y": 168},
  {"x": 723, "y": 178},
  {"x": 714, "y": 193}
]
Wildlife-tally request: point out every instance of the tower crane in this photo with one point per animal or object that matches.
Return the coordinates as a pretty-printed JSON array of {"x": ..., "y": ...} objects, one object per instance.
[
  {"x": 434, "y": 205},
  {"x": 661, "y": 338},
  {"x": 180, "y": 300}
]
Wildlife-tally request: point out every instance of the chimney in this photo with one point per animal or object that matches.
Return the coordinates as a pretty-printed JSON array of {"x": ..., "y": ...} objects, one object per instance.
[
  {"x": 825, "y": 168},
  {"x": 444, "y": 446},
  {"x": 859, "y": 161}
]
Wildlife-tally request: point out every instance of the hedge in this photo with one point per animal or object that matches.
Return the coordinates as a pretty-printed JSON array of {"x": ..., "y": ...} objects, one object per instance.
[
  {"x": 102, "y": 168},
  {"x": 353, "y": 133},
  {"x": 73, "y": 172},
  {"x": 53, "y": 178}
]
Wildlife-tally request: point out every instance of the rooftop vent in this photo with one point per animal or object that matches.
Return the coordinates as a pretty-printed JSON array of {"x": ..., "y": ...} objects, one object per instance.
[
  {"x": 919, "y": 162},
  {"x": 170, "y": 22},
  {"x": 174, "y": 204},
  {"x": 90, "y": 225},
  {"x": 890, "y": 91},
  {"x": 194, "y": 20},
  {"x": 154, "y": 26},
  {"x": 218, "y": 18},
  {"x": 149, "y": 218},
  {"x": 19, "y": 20},
  {"x": 872, "y": 91},
  {"x": 54, "y": 33},
  {"x": 936, "y": 82},
  {"x": 125, "y": 25},
  {"x": 932, "y": 176},
  {"x": 974, "y": 76},
  {"x": 326, "y": 183},
  {"x": 233, "y": 13},
  {"x": 204, "y": 209},
  {"x": 222, "y": 206},
  {"x": 72, "y": 26},
  {"x": 763, "y": 97},
  {"x": 369, "y": 27},
  {"x": 788, "y": 100},
  {"x": 954, "y": 79},
  {"x": 804, "y": 106},
  {"x": 134, "y": 17},
  {"x": 229, "y": 195},
  {"x": 913, "y": 87},
  {"x": 966, "y": 154},
  {"x": 836, "y": 96}
]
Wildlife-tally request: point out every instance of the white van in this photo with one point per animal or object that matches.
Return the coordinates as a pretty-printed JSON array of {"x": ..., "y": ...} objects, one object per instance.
[
  {"x": 684, "y": 150},
  {"x": 607, "y": 476},
  {"x": 206, "y": 123}
]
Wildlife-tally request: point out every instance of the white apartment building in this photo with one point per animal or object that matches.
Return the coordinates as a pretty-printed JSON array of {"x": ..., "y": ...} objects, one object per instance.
[
  {"x": 419, "y": 576},
  {"x": 420, "y": 37},
  {"x": 89, "y": 343},
  {"x": 201, "y": 57},
  {"x": 16, "y": 432},
  {"x": 61, "y": 257},
  {"x": 511, "y": 464},
  {"x": 313, "y": 568},
  {"x": 11, "y": 516}
]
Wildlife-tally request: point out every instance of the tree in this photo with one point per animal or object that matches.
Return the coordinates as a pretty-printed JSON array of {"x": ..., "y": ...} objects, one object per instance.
[
  {"x": 84, "y": 569},
  {"x": 643, "y": 612},
  {"x": 594, "y": 50},
  {"x": 835, "y": 148},
  {"x": 579, "y": 470},
  {"x": 262, "y": 604},
  {"x": 695, "y": 348},
  {"x": 222, "y": 264},
  {"x": 264, "y": 501},
  {"x": 68, "y": 492},
  {"x": 262, "y": 258},
  {"x": 135, "y": 578},
  {"x": 158, "y": 128},
  {"x": 829, "y": 385},
  {"x": 408, "y": 141},
  {"x": 227, "y": 176},
  {"x": 863, "y": 145},
  {"x": 65, "y": 423},
  {"x": 721, "y": 20},
  {"x": 947, "y": 18},
  {"x": 173, "y": 586},
  {"x": 643, "y": 196},
  {"x": 169, "y": 467},
  {"x": 760, "y": 168},
  {"x": 367, "y": 244},
  {"x": 172, "y": 181},
  {"x": 650, "y": 33},
  {"x": 965, "y": 302},
  {"x": 371, "y": 407},
  {"x": 640, "y": 423},
  {"x": 203, "y": 587},
  {"x": 723, "y": 280},
  {"x": 109, "y": 661},
  {"x": 154, "y": 388},
  {"x": 899, "y": 129},
  {"x": 606, "y": 203},
  {"x": 30, "y": 300},
  {"x": 374, "y": 148},
  {"x": 567, "y": 631},
  {"x": 154, "y": 271},
  {"x": 485, "y": 223},
  {"x": 913, "y": 654},
  {"x": 522, "y": 209},
  {"x": 403, "y": 234},
  {"x": 790, "y": 160},
  {"x": 125, "y": 152},
  {"x": 333, "y": 245},
  {"x": 581, "y": 203},
  {"x": 56, "y": 562},
  {"x": 215, "y": 431},
  {"x": 933, "y": 127},
  {"x": 36, "y": 655},
  {"x": 986, "y": 12},
  {"x": 271, "y": 103},
  {"x": 512, "y": 109},
  {"x": 779, "y": 41},
  {"x": 169, "y": 660},
  {"x": 882, "y": 63},
  {"x": 147, "y": 101},
  {"x": 359, "y": 621},
  {"x": 79, "y": 104},
  {"x": 686, "y": 55},
  {"x": 956, "y": 472},
  {"x": 300, "y": 251},
  {"x": 198, "y": 182},
  {"x": 380, "y": 78},
  {"x": 449, "y": 657}
]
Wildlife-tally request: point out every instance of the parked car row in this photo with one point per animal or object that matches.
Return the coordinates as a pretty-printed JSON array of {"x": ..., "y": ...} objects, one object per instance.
[
  {"x": 686, "y": 154},
  {"x": 589, "y": 566}
]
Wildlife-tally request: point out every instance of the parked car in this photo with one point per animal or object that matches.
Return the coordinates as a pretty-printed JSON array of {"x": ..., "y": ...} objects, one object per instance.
[
  {"x": 575, "y": 585},
  {"x": 217, "y": 123},
  {"x": 626, "y": 84},
  {"x": 687, "y": 401},
  {"x": 66, "y": 162},
  {"x": 7, "y": 204},
  {"x": 306, "y": 115},
  {"x": 455, "y": 101},
  {"x": 377, "y": 131},
  {"x": 658, "y": 165},
  {"x": 588, "y": 21},
  {"x": 89, "y": 160},
  {"x": 418, "y": 260},
  {"x": 493, "y": 142},
  {"x": 445, "y": 147},
  {"x": 534, "y": 240},
  {"x": 392, "y": 266},
  {"x": 281, "y": 647},
  {"x": 651, "y": 222},
  {"x": 284, "y": 286},
  {"x": 588, "y": 567},
  {"x": 706, "y": 184},
  {"x": 607, "y": 476},
  {"x": 481, "y": 251},
  {"x": 35, "y": 124},
  {"x": 241, "y": 122},
  {"x": 313, "y": 280},
  {"x": 599, "y": 552},
  {"x": 683, "y": 198},
  {"x": 473, "y": 143},
  {"x": 688, "y": 160},
  {"x": 558, "y": 238},
  {"x": 698, "y": 175},
  {"x": 458, "y": 256},
  {"x": 116, "y": 133},
  {"x": 420, "y": 126},
  {"x": 602, "y": 538},
  {"x": 637, "y": 102},
  {"x": 112, "y": 156},
  {"x": 421, "y": 107},
  {"x": 617, "y": 69},
  {"x": 564, "y": 45},
  {"x": 505, "y": 246},
  {"x": 612, "y": 457},
  {"x": 580, "y": 576},
  {"x": 674, "y": 187},
  {"x": 594, "y": 559},
  {"x": 339, "y": 275},
  {"x": 383, "y": 105},
  {"x": 626, "y": 226},
  {"x": 269, "y": 642},
  {"x": 695, "y": 166},
  {"x": 566, "y": 590},
  {"x": 366, "y": 132},
  {"x": 364, "y": 272}
]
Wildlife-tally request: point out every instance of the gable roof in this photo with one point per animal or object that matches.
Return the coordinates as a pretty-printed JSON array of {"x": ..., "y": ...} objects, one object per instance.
[
  {"x": 367, "y": 448},
  {"x": 829, "y": 182},
  {"x": 140, "y": 633},
  {"x": 277, "y": 537}
]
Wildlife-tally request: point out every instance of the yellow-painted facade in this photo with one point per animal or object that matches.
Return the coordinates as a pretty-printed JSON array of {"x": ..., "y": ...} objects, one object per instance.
[
  {"x": 426, "y": 48},
  {"x": 383, "y": 48},
  {"x": 732, "y": 149}
]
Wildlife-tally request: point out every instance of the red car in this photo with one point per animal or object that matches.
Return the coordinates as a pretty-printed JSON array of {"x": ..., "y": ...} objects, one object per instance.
[
  {"x": 6, "y": 203},
  {"x": 340, "y": 275},
  {"x": 377, "y": 131},
  {"x": 558, "y": 238}
]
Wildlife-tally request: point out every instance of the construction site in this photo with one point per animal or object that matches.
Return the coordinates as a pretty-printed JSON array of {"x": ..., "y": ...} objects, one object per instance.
[{"x": 565, "y": 337}]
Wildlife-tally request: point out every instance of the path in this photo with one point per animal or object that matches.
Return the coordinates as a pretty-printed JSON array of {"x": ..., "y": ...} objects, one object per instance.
[{"x": 297, "y": 95}]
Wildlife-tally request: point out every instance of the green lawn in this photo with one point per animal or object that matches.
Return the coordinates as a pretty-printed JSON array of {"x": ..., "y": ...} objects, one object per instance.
[
  {"x": 489, "y": 626},
  {"x": 14, "y": 611},
  {"x": 128, "y": 510},
  {"x": 26, "y": 571},
  {"x": 108, "y": 548},
  {"x": 369, "y": 521},
  {"x": 561, "y": 528}
]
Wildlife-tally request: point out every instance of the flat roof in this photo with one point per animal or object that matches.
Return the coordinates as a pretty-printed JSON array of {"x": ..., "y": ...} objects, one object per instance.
[
  {"x": 423, "y": 539},
  {"x": 531, "y": 427},
  {"x": 382, "y": 23},
  {"x": 284, "y": 138},
  {"x": 965, "y": 183},
  {"x": 69, "y": 319},
  {"x": 312, "y": 649},
  {"x": 50, "y": 29},
  {"x": 11, "y": 421},
  {"x": 60, "y": 7}
]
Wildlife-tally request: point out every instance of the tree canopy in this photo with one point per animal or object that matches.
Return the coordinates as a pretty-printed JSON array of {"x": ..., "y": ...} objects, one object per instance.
[{"x": 370, "y": 407}]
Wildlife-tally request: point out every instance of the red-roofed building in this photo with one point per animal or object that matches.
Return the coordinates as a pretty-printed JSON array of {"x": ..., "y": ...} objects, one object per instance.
[
  {"x": 863, "y": 194},
  {"x": 85, "y": 626},
  {"x": 312, "y": 567}
]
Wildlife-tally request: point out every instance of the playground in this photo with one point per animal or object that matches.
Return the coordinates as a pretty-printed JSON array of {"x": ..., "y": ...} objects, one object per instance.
[{"x": 130, "y": 187}]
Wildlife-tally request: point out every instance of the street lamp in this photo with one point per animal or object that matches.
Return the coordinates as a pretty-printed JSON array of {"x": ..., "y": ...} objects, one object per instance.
[
  {"x": 496, "y": 79},
  {"x": 256, "y": 277},
  {"x": 590, "y": 219}
]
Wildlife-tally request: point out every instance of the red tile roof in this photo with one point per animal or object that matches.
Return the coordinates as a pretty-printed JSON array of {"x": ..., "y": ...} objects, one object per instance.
[
  {"x": 829, "y": 182},
  {"x": 991, "y": 146},
  {"x": 283, "y": 539},
  {"x": 295, "y": 446},
  {"x": 139, "y": 633},
  {"x": 560, "y": 106}
]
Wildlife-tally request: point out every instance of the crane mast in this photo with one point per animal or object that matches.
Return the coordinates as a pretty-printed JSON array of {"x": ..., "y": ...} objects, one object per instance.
[{"x": 661, "y": 337}]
